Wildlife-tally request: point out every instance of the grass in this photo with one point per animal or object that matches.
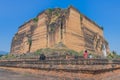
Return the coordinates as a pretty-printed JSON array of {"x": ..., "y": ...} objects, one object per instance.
[
  {"x": 8, "y": 56},
  {"x": 57, "y": 52}
]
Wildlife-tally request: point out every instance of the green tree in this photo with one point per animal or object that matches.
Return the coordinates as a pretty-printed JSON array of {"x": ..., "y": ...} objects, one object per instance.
[{"x": 114, "y": 52}]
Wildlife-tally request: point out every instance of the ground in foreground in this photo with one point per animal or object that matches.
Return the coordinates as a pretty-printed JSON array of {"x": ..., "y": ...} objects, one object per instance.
[{"x": 30, "y": 74}]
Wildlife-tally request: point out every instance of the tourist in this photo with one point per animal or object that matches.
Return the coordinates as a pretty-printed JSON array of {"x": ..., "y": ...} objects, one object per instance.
[
  {"x": 67, "y": 56},
  {"x": 90, "y": 56},
  {"x": 42, "y": 57},
  {"x": 76, "y": 57},
  {"x": 85, "y": 54}
]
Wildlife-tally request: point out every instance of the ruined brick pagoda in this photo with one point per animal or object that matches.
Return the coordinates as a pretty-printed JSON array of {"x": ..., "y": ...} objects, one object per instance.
[{"x": 54, "y": 26}]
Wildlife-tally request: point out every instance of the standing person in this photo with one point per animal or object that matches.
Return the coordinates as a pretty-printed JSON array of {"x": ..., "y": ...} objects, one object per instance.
[
  {"x": 90, "y": 56},
  {"x": 42, "y": 57},
  {"x": 104, "y": 50},
  {"x": 85, "y": 54}
]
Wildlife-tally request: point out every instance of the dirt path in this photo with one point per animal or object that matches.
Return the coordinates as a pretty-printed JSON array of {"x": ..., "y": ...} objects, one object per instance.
[
  {"x": 10, "y": 75},
  {"x": 30, "y": 74}
]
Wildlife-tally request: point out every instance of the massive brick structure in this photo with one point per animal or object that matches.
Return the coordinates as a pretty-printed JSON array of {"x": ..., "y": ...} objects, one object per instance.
[{"x": 54, "y": 26}]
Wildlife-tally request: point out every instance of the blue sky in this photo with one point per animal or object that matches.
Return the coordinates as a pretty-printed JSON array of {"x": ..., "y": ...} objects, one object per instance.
[{"x": 13, "y": 13}]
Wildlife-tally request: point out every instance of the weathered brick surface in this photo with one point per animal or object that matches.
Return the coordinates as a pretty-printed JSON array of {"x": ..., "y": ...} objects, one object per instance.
[{"x": 68, "y": 26}]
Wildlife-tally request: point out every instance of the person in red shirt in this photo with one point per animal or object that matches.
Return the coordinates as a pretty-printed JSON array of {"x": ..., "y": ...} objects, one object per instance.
[{"x": 85, "y": 54}]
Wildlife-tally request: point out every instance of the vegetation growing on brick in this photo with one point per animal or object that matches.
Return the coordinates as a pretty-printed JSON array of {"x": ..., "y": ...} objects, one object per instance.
[
  {"x": 35, "y": 19},
  {"x": 49, "y": 10},
  {"x": 54, "y": 18},
  {"x": 29, "y": 43}
]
